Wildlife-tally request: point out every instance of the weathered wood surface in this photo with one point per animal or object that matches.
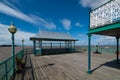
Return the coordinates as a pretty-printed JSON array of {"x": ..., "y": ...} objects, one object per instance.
[
  {"x": 74, "y": 67},
  {"x": 27, "y": 74}
]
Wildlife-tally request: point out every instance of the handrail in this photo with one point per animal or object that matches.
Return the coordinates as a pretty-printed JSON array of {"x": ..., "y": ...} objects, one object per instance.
[{"x": 6, "y": 66}]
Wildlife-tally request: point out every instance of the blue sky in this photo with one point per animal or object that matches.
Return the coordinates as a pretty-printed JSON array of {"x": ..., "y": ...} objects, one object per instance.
[{"x": 30, "y": 16}]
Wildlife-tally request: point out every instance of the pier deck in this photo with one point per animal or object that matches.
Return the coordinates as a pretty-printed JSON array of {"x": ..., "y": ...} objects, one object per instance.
[{"x": 74, "y": 67}]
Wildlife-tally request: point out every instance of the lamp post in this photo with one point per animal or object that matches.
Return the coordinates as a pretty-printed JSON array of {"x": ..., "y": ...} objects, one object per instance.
[
  {"x": 22, "y": 47},
  {"x": 23, "y": 44},
  {"x": 12, "y": 29}
]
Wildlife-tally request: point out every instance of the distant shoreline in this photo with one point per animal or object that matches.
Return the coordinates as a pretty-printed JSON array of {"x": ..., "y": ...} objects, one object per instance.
[{"x": 7, "y": 45}]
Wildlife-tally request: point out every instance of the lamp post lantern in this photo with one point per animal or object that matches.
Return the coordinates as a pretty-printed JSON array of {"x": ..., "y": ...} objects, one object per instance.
[{"x": 12, "y": 29}]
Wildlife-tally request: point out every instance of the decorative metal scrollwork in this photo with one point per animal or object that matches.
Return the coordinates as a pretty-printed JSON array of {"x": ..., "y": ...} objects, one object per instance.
[{"x": 107, "y": 14}]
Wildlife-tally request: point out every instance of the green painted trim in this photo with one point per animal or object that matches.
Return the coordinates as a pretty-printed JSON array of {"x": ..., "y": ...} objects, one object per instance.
[
  {"x": 117, "y": 49},
  {"x": 34, "y": 47},
  {"x": 6, "y": 76},
  {"x": 89, "y": 54},
  {"x": 5, "y": 60},
  {"x": 104, "y": 28},
  {"x": 71, "y": 50},
  {"x": 6, "y": 71},
  {"x": 38, "y": 52},
  {"x": 89, "y": 19},
  {"x": 13, "y": 52},
  {"x": 89, "y": 72}
]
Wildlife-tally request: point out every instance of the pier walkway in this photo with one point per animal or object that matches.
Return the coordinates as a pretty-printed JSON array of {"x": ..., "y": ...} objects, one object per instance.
[
  {"x": 27, "y": 74},
  {"x": 72, "y": 66}
]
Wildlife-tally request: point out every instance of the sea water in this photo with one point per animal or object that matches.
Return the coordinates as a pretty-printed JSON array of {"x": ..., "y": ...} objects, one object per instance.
[{"x": 107, "y": 49}]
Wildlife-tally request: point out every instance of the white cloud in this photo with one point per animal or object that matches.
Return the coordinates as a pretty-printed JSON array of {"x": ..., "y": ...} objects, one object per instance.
[
  {"x": 103, "y": 40},
  {"x": 5, "y": 36},
  {"x": 14, "y": 13},
  {"x": 40, "y": 21},
  {"x": 97, "y": 39},
  {"x": 82, "y": 39},
  {"x": 11, "y": 10},
  {"x": 92, "y": 3},
  {"x": 78, "y": 24},
  {"x": 66, "y": 23},
  {"x": 6, "y": 2}
]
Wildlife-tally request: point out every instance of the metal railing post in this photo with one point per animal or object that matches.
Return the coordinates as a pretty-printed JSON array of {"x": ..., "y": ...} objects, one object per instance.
[{"x": 6, "y": 70}]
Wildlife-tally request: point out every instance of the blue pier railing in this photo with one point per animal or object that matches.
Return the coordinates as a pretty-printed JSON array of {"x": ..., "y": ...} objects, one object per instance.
[{"x": 6, "y": 67}]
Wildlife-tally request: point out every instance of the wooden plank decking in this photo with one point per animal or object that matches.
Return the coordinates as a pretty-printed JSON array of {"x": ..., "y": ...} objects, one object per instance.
[
  {"x": 74, "y": 67},
  {"x": 27, "y": 74}
]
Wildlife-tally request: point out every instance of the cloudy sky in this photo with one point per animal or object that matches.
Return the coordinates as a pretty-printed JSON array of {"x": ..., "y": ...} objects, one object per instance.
[{"x": 30, "y": 16}]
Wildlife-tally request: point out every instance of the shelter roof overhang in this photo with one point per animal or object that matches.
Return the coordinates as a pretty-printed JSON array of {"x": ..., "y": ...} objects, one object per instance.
[
  {"x": 52, "y": 36},
  {"x": 51, "y": 39},
  {"x": 107, "y": 30}
]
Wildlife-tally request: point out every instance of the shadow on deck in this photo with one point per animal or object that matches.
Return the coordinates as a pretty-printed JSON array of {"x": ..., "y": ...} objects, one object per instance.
[
  {"x": 112, "y": 64},
  {"x": 27, "y": 73}
]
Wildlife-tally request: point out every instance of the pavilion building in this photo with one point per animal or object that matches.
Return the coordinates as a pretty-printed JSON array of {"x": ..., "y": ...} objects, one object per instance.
[{"x": 45, "y": 43}]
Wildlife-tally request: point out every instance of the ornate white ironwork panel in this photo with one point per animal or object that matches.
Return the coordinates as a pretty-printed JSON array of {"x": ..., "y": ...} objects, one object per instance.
[{"x": 106, "y": 14}]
